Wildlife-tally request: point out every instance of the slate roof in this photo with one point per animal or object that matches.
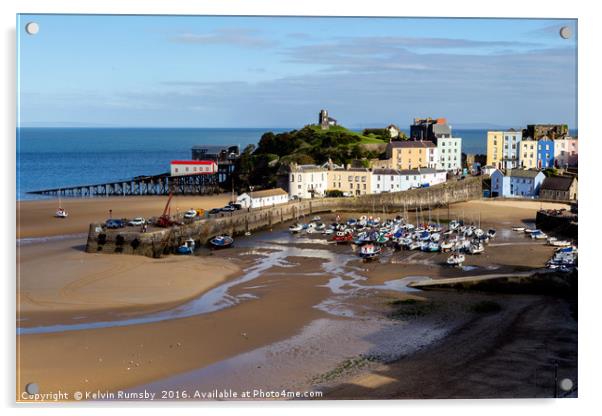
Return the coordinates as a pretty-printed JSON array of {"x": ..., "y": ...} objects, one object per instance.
[
  {"x": 557, "y": 183},
  {"x": 522, "y": 173},
  {"x": 411, "y": 144}
]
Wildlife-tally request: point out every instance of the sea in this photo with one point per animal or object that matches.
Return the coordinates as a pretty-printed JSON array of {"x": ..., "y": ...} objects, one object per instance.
[{"x": 62, "y": 157}]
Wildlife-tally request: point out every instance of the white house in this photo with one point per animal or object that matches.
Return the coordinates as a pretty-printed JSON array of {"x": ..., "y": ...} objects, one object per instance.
[
  {"x": 385, "y": 180},
  {"x": 449, "y": 151},
  {"x": 516, "y": 183},
  {"x": 416, "y": 178},
  {"x": 192, "y": 167},
  {"x": 487, "y": 170},
  {"x": 265, "y": 198},
  {"x": 307, "y": 181}
]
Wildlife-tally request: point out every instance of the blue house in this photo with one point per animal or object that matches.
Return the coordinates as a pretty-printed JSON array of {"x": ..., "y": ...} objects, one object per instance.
[
  {"x": 516, "y": 183},
  {"x": 545, "y": 153}
]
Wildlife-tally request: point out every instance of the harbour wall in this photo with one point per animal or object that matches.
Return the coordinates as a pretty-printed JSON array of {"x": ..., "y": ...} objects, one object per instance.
[
  {"x": 158, "y": 242},
  {"x": 564, "y": 224}
]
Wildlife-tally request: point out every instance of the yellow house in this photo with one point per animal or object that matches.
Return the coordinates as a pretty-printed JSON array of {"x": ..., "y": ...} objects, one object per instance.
[
  {"x": 528, "y": 154},
  {"x": 495, "y": 142},
  {"x": 410, "y": 154},
  {"x": 355, "y": 181}
]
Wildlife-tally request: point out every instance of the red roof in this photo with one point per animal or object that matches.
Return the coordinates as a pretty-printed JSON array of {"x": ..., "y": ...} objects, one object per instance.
[{"x": 192, "y": 162}]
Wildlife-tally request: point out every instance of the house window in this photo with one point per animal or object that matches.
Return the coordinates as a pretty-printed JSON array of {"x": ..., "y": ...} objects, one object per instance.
[{"x": 299, "y": 178}]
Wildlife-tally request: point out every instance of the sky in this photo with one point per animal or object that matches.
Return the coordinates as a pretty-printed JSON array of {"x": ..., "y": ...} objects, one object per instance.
[{"x": 209, "y": 71}]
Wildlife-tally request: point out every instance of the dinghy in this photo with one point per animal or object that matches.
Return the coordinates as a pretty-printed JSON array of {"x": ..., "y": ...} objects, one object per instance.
[{"x": 221, "y": 241}]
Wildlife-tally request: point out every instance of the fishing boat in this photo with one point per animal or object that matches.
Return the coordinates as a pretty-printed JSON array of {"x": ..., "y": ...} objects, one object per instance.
[
  {"x": 221, "y": 241},
  {"x": 61, "y": 213},
  {"x": 369, "y": 251},
  {"x": 456, "y": 259},
  {"x": 295, "y": 228},
  {"x": 187, "y": 247}
]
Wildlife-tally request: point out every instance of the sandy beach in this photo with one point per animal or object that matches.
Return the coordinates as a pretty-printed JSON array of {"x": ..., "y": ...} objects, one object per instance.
[{"x": 172, "y": 321}]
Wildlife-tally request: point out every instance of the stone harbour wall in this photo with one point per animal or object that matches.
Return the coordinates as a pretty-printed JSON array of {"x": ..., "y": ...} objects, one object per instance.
[{"x": 158, "y": 242}]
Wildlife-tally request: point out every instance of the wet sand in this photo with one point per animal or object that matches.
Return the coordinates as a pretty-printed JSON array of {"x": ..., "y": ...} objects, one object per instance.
[
  {"x": 36, "y": 218},
  {"x": 59, "y": 281},
  {"x": 298, "y": 308}
]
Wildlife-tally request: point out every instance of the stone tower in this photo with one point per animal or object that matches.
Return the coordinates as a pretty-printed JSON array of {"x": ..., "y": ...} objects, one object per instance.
[{"x": 323, "y": 119}]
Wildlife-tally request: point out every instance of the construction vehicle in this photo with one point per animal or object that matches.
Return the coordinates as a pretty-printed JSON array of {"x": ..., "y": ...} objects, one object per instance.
[{"x": 165, "y": 220}]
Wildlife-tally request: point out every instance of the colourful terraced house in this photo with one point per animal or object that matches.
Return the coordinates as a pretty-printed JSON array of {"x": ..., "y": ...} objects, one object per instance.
[{"x": 545, "y": 153}]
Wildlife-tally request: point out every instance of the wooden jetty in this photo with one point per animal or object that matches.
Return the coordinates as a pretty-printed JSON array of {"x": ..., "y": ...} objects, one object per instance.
[{"x": 161, "y": 184}]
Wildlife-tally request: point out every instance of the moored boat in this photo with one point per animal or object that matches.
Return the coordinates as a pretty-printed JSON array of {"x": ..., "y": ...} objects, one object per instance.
[
  {"x": 187, "y": 247},
  {"x": 456, "y": 259},
  {"x": 369, "y": 251},
  {"x": 221, "y": 241}
]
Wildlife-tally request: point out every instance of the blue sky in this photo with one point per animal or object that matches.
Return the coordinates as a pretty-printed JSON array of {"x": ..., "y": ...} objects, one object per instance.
[{"x": 194, "y": 71}]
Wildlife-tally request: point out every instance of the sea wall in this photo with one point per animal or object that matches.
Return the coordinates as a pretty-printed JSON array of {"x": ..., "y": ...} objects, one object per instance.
[
  {"x": 157, "y": 242},
  {"x": 561, "y": 223}
]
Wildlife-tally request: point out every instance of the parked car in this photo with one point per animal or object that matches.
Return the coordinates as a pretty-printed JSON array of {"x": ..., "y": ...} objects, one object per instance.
[
  {"x": 137, "y": 221},
  {"x": 215, "y": 211},
  {"x": 112, "y": 223},
  {"x": 228, "y": 208},
  {"x": 191, "y": 213},
  {"x": 235, "y": 205}
]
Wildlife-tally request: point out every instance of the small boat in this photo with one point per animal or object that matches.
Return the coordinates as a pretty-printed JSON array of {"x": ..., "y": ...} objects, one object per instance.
[
  {"x": 61, "y": 213},
  {"x": 456, "y": 259},
  {"x": 447, "y": 246},
  {"x": 521, "y": 229},
  {"x": 491, "y": 233},
  {"x": 320, "y": 226},
  {"x": 530, "y": 230},
  {"x": 221, "y": 241},
  {"x": 476, "y": 248},
  {"x": 453, "y": 225},
  {"x": 187, "y": 247},
  {"x": 414, "y": 245},
  {"x": 295, "y": 228},
  {"x": 316, "y": 219},
  {"x": 553, "y": 241},
  {"x": 369, "y": 251},
  {"x": 538, "y": 235},
  {"x": 342, "y": 237}
]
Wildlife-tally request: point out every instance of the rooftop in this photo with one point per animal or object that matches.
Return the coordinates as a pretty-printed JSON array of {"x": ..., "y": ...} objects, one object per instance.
[
  {"x": 411, "y": 144},
  {"x": 268, "y": 192},
  {"x": 557, "y": 183},
  {"x": 522, "y": 173}
]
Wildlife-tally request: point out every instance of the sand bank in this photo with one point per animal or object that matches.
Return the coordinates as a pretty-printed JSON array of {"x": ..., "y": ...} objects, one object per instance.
[{"x": 59, "y": 278}]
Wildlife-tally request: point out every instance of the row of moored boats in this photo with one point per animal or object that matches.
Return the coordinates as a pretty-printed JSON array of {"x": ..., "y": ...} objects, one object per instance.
[{"x": 371, "y": 235}]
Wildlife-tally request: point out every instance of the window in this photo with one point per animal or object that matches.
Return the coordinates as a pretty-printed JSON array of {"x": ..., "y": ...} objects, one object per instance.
[
  {"x": 363, "y": 179},
  {"x": 357, "y": 178},
  {"x": 350, "y": 178},
  {"x": 299, "y": 178}
]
